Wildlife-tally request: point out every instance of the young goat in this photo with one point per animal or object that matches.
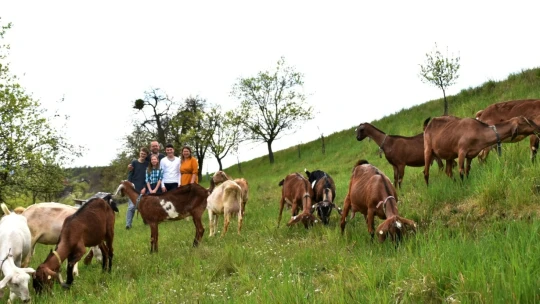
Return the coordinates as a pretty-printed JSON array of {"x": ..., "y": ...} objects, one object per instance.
[
  {"x": 400, "y": 151},
  {"x": 372, "y": 194},
  {"x": 91, "y": 225},
  {"x": 449, "y": 137},
  {"x": 297, "y": 193},
  {"x": 14, "y": 247},
  {"x": 188, "y": 200}
]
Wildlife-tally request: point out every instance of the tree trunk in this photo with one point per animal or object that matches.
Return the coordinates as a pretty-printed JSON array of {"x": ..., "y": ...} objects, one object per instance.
[
  {"x": 220, "y": 165},
  {"x": 445, "y": 103},
  {"x": 323, "y": 146},
  {"x": 239, "y": 165},
  {"x": 270, "y": 153},
  {"x": 200, "y": 169}
]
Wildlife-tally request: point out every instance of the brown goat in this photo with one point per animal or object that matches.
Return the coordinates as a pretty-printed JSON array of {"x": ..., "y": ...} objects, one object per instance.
[
  {"x": 187, "y": 200},
  {"x": 91, "y": 225},
  {"x": 297, "y": 193},
  {"x": 450, "y": 137},
  {"x": 372, "y": 194},
  {"x": 501, "y": 111},
  {"x": 220, "y": 176},
  {"x": 400, "y": 151}
]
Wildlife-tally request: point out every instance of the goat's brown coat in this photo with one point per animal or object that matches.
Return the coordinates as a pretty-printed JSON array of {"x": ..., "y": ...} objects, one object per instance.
[
  {"x": 187, "y": 200},
  {"x": 91, "y": 225},
  {"x": 501, "y": 111},
  {"x": 297, "y": 193},
  {"x": 372, "y": 194},
  {"x": 449, "y": 137},
  {"x": 399, "y": 151}
]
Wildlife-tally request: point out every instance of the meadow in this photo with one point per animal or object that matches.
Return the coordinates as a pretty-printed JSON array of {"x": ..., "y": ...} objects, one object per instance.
[{"x": 478, "y": 241}]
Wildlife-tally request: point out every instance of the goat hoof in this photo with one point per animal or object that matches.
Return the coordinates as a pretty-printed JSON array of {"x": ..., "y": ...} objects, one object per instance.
[{"x": 66, "y": 286}]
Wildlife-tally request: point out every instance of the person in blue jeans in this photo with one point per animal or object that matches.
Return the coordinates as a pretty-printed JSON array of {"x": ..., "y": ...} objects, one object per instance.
[{"x": 137, "y": 176}]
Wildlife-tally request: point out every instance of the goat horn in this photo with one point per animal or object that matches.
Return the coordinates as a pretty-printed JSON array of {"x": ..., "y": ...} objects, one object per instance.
[{"x": 59, "y": 276}]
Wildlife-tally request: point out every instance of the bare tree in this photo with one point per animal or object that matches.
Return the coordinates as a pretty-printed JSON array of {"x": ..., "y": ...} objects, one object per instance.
[
  {"x": 440, "y": 71},
  {"x": 157, "y": 109},
  {"x": 272, "y": 104}
]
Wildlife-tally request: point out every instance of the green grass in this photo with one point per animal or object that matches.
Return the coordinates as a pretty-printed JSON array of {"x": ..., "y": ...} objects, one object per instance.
[{"x": 478, "y": 240}]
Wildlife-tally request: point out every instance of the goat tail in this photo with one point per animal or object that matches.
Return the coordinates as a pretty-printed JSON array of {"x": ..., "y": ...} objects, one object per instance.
[
  {"x": 360, "y": 162},
  {"x": 5, "y": 209},
  {"x": 426, "y": 122},
  {"x": 281, "y": 182}
]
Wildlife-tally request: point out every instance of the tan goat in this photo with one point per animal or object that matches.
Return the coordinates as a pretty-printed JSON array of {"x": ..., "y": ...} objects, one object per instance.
[
  {"x": 225, "y": 199},
  {"x": 220, "y": 176}
]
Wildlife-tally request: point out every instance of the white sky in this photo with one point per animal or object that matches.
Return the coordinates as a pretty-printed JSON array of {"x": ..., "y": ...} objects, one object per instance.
[{"x": 360, "y": 58}]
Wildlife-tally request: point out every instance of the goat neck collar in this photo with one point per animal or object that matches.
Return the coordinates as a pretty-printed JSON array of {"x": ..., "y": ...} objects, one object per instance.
[
  {"x": 380, "y": 147},
  {"x": 58, "y": 257},
  {"x": 7, "y": 256},
  {"x": 498, "y": 139}
]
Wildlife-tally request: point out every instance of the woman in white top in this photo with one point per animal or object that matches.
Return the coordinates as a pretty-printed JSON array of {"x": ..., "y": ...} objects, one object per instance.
[{"x": 171, "y": 173}]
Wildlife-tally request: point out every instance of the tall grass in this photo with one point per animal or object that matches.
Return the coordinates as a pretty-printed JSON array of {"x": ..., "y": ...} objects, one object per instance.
[{"x": 478, "y": 239}]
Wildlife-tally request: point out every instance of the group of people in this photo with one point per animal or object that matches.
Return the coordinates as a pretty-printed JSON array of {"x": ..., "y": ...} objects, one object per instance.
[{"x": 154, "y": 172}]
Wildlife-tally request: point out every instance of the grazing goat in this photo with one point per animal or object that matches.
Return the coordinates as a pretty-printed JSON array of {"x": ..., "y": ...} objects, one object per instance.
[
  {"x": 371, "y": 193},
  {"x": 225, "y": 199},
  {"x": 324, "y": 194},
  {"x": 449, "y": 137},
  {"x": 221, "y": 176},
  {"x": 91, "y": 225},
  {"x": 400, "y": 151},
  {"x": 14, "y": 246},
  {"x": 297, "y": 193},
  {"x": 187, "y": 200},
  {"x": 45, "y": 222},
  {"x": 501, "y": 111}
]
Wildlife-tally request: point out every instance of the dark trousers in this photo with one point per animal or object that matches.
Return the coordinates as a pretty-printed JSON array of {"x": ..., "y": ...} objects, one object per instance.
[
  {"x": 153, "y": 186},
  {"x": 170, "y": 186}
]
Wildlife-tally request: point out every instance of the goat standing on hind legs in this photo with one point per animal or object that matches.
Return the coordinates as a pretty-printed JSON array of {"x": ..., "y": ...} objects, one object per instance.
[{"x": 372, "y": 194}]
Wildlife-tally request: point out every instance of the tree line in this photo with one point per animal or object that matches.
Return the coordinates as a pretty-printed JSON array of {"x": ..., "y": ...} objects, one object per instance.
[{"x": 33, "y": 153}]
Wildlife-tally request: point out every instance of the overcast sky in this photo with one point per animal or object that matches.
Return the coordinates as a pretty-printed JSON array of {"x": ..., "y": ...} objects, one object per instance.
[{"x": 360, "y": 59}]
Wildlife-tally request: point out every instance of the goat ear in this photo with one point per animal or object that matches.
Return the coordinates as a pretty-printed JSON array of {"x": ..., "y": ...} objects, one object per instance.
[
  {"x": 408, "y": 223},
  {"x": 295, "y": 219},
  {"x": 4, "y": 282},
  {"x": 28, "y": 270},
  {"x": 382, "y": 230}
]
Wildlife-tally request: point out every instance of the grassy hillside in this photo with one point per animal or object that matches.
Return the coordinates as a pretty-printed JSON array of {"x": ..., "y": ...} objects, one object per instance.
[{"x": 477, "y": 242}]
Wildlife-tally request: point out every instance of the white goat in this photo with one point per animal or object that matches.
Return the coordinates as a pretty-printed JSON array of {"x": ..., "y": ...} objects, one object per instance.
[
  {"x": 225, "y": 199},
  {"x": 14, "y": 247}
]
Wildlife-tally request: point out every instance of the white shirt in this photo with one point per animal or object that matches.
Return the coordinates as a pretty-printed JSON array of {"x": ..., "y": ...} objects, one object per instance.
[{"x": 171, "y": 169}]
